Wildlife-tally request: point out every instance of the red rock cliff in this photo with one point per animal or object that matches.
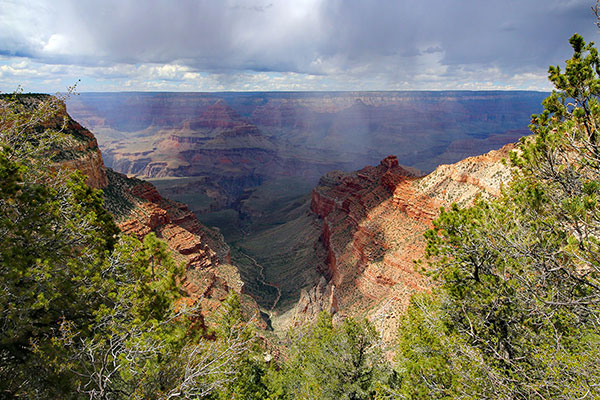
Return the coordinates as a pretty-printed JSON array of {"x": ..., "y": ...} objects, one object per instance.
[
  {"x": 86, "y": 156},
  {"x": 373, "y": 225},
  {"x": 139, "y": 209},
  {"x": 80, "y": 150}
]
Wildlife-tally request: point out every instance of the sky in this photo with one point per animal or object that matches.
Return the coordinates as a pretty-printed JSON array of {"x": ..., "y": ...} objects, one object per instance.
[{"x": 271, "y": 45}]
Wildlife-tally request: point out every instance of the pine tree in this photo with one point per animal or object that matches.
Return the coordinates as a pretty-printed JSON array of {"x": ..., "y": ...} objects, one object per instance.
[
  {"x": 330, "y": 361},
  {"x": 517, "y": 304},
  {"x": 86, "y": 312}
]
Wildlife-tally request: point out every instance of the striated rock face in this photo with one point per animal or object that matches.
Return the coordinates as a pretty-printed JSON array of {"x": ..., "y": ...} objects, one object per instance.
[
  {"x": 92, "y": 166},
  {"x": 218, "y": 142},
  {"x": 461, "y": 182},
  {"x": 88, "y": 157},
  {"x": 361, "y": 232},
  {"x": 238, "y": 141},
  {"x": 373, "y": 225},
  {"x": 140, "y": 209},
  {"x": 348, "y": 129},
  {"x": 223, "y": 151},
  {"x": 321, "y": 297}
]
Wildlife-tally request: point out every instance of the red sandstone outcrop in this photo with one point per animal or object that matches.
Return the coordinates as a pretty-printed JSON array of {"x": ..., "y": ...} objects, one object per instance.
[
  {"x": 321, "y": 297},
  {"x": 209, "y": 277},
  {"x": 80, "y": 151},
  {"x": 373, "y": 225},
  {"x": 361, "y": 228},
  {"x": 140, "y": 209}
]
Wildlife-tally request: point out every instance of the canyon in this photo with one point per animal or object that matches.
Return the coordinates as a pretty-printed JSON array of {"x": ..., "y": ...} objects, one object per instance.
[
  {"x": 373, "y": 222},
  {"x": 139, "y": 210},
  {"x": 280, "y": 206},
  {"x": 225, "y": 143}
]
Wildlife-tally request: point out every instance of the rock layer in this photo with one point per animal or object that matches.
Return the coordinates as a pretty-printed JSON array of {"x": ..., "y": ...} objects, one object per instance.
[
  {"x": 139, "y": 209},
  {"x": 373, "y": 225},
  {"x": 80, "y": 150},
  {"x": 238, "y": 141}
]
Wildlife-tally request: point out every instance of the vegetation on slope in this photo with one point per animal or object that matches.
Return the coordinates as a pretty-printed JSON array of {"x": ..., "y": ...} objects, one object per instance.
[
  {"x": 516, "y": 314},
  {"x": 87, "y": 313}
]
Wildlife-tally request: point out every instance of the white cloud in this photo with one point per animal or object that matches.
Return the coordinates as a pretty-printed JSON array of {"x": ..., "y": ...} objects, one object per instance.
[
  {"x": 58, "y": 44},
  {"x": 285, "y": 44}
]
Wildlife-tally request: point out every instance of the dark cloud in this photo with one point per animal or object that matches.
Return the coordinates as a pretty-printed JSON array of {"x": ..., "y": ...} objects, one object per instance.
[
  {"x": 433, "y": 49},
  {"x": 514, "y": 35},
  {"x": 380, "y": 39}
]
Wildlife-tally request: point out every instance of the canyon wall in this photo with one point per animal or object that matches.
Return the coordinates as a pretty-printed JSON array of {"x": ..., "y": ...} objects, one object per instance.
[
  {"x": 79, "y": 150},
  {"x": 373, "y": 222},
  {"x": 139, "y": 209},
  {"x": 235, "y": 141}
]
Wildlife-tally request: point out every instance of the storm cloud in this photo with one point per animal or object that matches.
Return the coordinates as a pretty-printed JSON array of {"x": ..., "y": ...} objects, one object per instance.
[{"x": 286, "y": 45}]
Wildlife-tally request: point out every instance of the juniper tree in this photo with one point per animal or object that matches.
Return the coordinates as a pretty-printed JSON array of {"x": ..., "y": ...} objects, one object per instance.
[
  {"x": 516, "y": 310},
  {"x": 329, "y": 361}
]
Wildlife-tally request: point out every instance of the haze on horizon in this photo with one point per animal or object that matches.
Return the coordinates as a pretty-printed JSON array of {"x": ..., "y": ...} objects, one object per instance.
[{"x": 270, "y": 45}]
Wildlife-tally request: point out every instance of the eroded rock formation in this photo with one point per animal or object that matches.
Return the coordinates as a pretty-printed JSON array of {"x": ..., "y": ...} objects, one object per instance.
[
  {"x": 80, "y": 150},
  {"x": 139, "y": 209},
  {"x": 373, "y": 225},
  {"x": 237, "y": 141},
  {"x": 372, "y": 220}
]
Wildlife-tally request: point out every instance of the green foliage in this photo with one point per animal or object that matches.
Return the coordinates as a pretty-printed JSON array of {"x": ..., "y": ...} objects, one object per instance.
[
  {"x": 424, "y": 351},
  {"x": 515, "y": 313},
  {"x": 248, "y": 380},
  {"x": 81, "y": 313},
  {"x": 54, "y": 239},
  {"x": 87, "y": 313},
  {"x": 84, "y": 312},
  {"x": 135, "y": 334},
  {"x": 247, "y": 367},
  {"x": 330, "y": 361}
]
